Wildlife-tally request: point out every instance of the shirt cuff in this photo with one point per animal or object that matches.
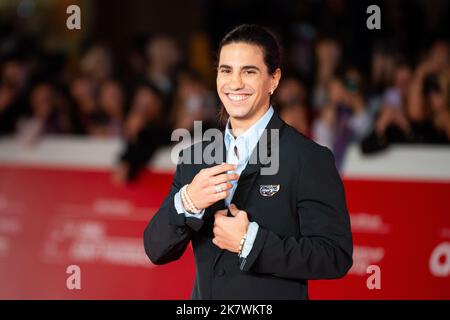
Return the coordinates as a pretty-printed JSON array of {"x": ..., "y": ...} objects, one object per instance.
[
  {"x": 252, "y": 230},
  {"x": 181, "y": 210}
]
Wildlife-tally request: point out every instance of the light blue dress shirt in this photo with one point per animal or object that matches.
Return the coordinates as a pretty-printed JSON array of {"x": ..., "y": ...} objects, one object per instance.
[{"x": 244, "y": 144}]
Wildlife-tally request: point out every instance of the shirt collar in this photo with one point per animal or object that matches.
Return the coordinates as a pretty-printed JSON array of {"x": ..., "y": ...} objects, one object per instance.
[{"x": 251, "y": 136}]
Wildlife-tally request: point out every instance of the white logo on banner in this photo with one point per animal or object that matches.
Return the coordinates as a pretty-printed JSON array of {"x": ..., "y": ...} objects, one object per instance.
[
  {"x": 364, "y": 257},
  {"x": 88, "y": 241},
  {"x": 368, "y": 223},
  {"x": 440, "y": 260},
  {"x": 117, "y": 207}
]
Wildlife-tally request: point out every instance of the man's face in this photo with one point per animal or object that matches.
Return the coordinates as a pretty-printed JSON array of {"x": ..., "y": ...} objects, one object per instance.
[{"x": 243, "y": 81}]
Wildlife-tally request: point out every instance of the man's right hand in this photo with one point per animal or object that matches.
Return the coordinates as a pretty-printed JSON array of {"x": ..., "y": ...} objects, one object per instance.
[{"x": 202, "y": 189}]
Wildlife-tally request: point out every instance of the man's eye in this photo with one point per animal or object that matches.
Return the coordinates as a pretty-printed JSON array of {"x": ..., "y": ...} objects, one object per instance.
[
  {"x": 250, "y": 72},
  {"x": 224, "y": 71}
]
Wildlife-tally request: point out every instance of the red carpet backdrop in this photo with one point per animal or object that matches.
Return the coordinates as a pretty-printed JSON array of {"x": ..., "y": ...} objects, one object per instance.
[{"x": 53, "y": 216}]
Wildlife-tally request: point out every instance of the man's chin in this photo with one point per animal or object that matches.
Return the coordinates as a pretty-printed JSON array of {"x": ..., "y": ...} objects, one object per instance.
[
  {"x": 237, "y": 112},
  {"x": 237, "y": 115}
]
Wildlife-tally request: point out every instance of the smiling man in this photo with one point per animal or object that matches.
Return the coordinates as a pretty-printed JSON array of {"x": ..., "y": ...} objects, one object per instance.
[
  {"x": 255, "y": 236},
  {"x": 244, "y": 83}
]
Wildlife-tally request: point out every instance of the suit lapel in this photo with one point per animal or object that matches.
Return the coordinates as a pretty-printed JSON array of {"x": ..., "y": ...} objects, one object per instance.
[
  {"x": 250, "y": 173},
  {"x": 252, "y": 170}
]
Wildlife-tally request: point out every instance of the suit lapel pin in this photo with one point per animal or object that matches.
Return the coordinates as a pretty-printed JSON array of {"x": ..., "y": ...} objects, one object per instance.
[{"x": 269, "y": 189}]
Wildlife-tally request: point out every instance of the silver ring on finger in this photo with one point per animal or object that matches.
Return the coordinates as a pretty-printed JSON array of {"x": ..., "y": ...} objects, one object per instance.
[{"x": 218, "y": 188}]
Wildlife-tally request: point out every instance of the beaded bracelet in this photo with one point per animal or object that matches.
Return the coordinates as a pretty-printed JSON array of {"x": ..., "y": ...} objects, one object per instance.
[
  {"x": 241, "y": 244},
  {"x": 187, "y": 202}
]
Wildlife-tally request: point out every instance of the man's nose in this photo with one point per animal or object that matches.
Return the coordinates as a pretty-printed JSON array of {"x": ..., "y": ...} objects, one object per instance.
[{"x": 236, "y": 82}]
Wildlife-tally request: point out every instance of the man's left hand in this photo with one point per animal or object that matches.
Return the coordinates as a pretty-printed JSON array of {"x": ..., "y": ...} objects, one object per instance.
[{"x": 229, "y": 231}]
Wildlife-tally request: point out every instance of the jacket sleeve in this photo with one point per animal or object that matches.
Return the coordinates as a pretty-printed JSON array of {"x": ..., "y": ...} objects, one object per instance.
[
  {"x": 168, "y": 233},
  {"x": 324, "y": 248}
]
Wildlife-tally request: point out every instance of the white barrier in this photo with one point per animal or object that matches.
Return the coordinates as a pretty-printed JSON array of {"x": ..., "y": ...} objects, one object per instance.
[{"x": 404, "y": 162}]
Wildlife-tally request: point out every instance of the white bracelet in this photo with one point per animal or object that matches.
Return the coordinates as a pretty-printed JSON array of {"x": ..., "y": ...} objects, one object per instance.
[
  {"x": 187, "y": 202},
  {"x": 241, "y": 244}
]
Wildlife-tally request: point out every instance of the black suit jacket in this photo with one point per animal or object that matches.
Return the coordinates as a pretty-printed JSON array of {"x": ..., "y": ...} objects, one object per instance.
[{"x": 304, "y": 229}]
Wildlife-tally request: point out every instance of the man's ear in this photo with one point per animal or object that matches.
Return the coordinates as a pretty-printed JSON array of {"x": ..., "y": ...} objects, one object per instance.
[{"x": 275, "y": 79}]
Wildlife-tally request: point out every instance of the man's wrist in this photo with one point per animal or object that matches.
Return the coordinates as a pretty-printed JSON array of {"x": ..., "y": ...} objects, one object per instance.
[
  {"x": 252, "y": 231},
  {"x": 187, "y": 202},
  {"x": 241, "y": 244}
]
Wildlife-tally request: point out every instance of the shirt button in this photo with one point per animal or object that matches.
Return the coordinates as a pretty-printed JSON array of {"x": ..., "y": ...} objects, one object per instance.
[{"x": 220, "y": 272}]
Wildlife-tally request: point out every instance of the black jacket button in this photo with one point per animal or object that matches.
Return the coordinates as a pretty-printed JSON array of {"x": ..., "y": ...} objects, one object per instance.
[{"x": 220, "y": 272}]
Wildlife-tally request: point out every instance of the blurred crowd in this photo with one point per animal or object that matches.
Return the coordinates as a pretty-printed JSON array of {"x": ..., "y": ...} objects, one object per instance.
[
  {"x": 398, "y": 101},
  {"x": 157, "y": 95}
]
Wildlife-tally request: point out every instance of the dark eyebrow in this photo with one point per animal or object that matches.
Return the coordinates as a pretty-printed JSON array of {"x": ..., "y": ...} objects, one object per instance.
[
  {"x": 248, "y": 67},
  {"x": 224, "y": 66}
]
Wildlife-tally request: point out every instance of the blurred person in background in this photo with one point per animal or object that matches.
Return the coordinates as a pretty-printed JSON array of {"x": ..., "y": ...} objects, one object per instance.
[
  {"x": 193, "y": 102},
  {"x": 97, "y": 64},
  {"x": 296, "y": 116},
  {"x": 385, "y": 60},
  {"x": 291, "y": 102},
  {"x": 328, "y": 56},
  {"x": 439, "y": 100},
  {"x": 434, "y": 66},
  {"x": 47, "y": 114},
  {"x": 111, "y": 102},
  {"x": 391, "y": 109},
  {"x": 135, "y": 64},
  {"x": 383, "y": 65},
  {"x": 145, "y": 130},
  {"x": 396, "y": 96},
  {"x": 163, "y": 59},
  {"x": 344, "y": 118},
  {"x": 407, "y": 116},
  {"x": 14, "y": 78},
  {"x": 84, "y": 111}
]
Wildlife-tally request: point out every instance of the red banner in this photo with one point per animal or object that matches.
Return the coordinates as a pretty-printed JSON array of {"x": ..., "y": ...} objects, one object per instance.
[{"x": 51, "y": 219}]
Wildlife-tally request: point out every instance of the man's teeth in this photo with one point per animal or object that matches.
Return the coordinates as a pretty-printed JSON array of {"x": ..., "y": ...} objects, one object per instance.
[{"x": 238, "y": 97}]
